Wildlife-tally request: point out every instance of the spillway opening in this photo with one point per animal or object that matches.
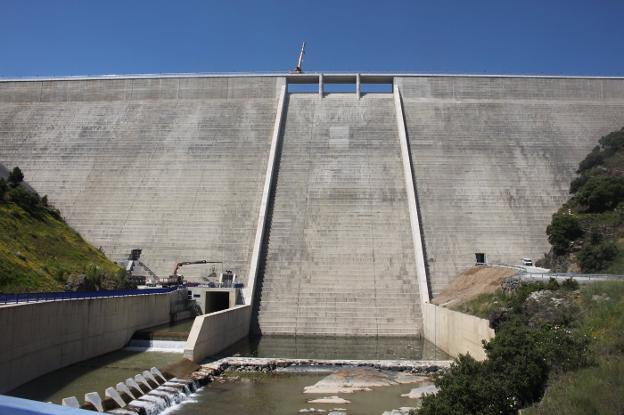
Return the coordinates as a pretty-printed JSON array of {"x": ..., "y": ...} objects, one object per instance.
[
  {"x": 217, "y": 301},
  {"x": 376, "y": 88},
  {"x": 339, "y": 88},
  {"x": 303, "y": 88}
]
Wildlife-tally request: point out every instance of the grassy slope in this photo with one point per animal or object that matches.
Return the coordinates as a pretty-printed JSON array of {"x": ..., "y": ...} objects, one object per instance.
[
  {"x": 598, "y": 389},
  {"x": 35, "y": 252}
]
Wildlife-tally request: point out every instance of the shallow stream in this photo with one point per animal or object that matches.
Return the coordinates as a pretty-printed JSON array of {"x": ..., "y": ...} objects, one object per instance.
[
  {"x": 282, "y": 394},
  {"x": 255, "y": 393}
]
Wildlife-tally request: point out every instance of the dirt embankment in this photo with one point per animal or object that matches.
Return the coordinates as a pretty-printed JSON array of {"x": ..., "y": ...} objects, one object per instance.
[{"x": 472, "y": 282}]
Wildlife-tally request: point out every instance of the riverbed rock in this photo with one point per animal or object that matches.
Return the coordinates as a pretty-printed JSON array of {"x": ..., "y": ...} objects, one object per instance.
[
  {"x": 330, "y": 399},
  {"x": 360, "y": 379},
  {"x": 418, "y": 393},
  {"x": 404, "y": 410}
]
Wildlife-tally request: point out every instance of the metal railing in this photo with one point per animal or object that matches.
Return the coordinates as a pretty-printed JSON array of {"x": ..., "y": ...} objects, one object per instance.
[
  {"x": 529, "y": 273},
  {"x": 79, "y": 295},
  {"x": 559, "y": 276}
]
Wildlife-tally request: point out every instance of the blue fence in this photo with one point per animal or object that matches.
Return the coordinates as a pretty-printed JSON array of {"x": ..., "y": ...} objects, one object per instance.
[{"x": 70, "y": 295}]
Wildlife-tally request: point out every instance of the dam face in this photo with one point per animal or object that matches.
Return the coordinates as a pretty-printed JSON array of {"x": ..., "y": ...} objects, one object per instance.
[
  {"x": 339, "y": 258},
  {"x": 172, "y": 166},
  {"x": 176, "y": 166}
]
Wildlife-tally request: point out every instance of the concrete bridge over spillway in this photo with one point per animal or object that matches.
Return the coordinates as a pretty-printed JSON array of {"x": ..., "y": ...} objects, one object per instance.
[{"x": 346, "y": 210}]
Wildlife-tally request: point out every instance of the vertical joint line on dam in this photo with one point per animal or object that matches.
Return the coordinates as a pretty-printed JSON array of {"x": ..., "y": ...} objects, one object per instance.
[
  {"x": 264, "y": 203},
  {"x": 421, "y": 271}
]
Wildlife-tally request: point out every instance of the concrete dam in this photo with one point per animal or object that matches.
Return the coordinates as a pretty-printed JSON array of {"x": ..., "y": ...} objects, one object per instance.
[{"x": 345, "y": 211}]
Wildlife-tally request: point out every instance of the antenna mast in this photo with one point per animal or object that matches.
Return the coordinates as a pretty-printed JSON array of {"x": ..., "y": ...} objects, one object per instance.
[{"x": 298, "y": 68}]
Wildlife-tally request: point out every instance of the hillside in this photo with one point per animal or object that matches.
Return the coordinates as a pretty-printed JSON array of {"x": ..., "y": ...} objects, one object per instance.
[
  {"x": 587, "y": 233},
  {"x": 39, "y": 251}
]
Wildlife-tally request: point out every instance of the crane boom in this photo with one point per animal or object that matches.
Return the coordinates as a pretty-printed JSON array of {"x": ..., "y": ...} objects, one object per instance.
[
  {"x": 179, "y": 264},
  {"x": 299, "y": 67}
]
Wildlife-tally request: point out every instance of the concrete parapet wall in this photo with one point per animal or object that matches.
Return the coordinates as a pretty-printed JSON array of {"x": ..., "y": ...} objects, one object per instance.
[
  {"x": 38, "y": 338},
  {"x": 88, "y": 90},
  {"x": 211, "y": 333},
  {"x": 454, "y": 332}
]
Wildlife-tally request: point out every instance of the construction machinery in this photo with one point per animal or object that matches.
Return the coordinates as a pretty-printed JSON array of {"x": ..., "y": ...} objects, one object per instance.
[
  {"x": 299, "y": 67},
  {"x": 176, "y": 279}
]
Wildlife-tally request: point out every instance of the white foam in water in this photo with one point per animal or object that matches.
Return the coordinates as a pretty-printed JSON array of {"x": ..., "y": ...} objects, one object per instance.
[
  {"x": 123, "y": 388},
  {"x": 150, "y": 407},
  {"x": 160, "y": 403},
  {"x": 164, "y": 399},
  {"x": 122, "y": 412},
  {"x": 167, "y": 346},
  {"x": 94, "y": 399}
]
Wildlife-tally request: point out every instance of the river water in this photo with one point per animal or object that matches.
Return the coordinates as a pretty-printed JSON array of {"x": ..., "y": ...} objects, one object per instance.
[
  {"x": 282, "y": 394},
  {"x": 93, "y": 375},
  {"x": 251, "y": 394}
]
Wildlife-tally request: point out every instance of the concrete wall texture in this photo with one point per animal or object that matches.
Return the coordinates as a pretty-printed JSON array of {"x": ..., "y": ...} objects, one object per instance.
[
  {"x": 493, "y": 159},
  {"x": 339, "y": 254},
  {"x": 454, "y": 332},
  {"x": 211, "y": 333},
  {"x": 176, "y": 166},
  {"x": 41, "y": 337},
  {"x": 173, "y": 166}
]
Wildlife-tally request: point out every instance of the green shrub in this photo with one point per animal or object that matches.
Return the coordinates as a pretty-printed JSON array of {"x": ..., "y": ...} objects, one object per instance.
[
  {"x": 570, "y": 284},
  {"x": 591, "y": 160},
  {"x": 562, "y": 348},
  {"x": 513, "y": 376},
  {"x": 592, "y": 390},
  {"x": 552, "y": 284},
  {"x": 28, "y": 201},
  {"x": 577, "y": 183},
  {"x": 16, "y": 177},
  {"x": 613, "y": 141},
  {"x": 601, "y": 193},
  {"x": 596, "y": 258},
  {"x": 3, "y": 188},
  {"x": 562, "y": 230}
]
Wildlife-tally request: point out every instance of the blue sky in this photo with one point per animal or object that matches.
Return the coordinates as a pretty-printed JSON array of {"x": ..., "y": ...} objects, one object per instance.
[{"x": 40, "y": 38}]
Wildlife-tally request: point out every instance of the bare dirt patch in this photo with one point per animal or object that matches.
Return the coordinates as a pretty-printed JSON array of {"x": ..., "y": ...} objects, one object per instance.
[{"x": 471, "y": 283}]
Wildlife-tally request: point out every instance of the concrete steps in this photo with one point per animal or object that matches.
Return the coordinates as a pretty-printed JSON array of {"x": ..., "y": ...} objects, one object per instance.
[{"x": 338, "y": 254}]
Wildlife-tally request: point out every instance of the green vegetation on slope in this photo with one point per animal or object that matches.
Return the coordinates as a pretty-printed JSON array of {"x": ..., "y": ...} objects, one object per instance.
[
  {"x": 598, "y": 389},
  {"x": 587, "y": 233},
  {"x": 541, "y": 333},
  {"x": 39, "y": 251}
]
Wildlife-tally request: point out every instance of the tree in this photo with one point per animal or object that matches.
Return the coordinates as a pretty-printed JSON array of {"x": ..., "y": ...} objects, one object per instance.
[
  {"x": 16, "y": 177},
  {"x": 562, "y": 230},
  {"x": 593, "y": 159},
  {"x": 601, "y": 193},
  {"x": 594, "y": 258},
  {"x": 613, "y": 141},
  {"x": 28, "y": 201},
  {"x": 3, "y": 188}
]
